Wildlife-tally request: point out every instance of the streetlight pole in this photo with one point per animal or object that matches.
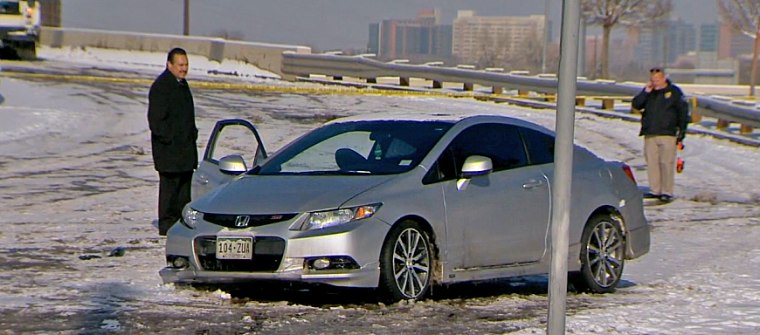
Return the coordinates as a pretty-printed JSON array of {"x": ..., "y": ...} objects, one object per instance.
[
  {"x": 186, "y": 21},
  {"x": 563, "y": 171}
]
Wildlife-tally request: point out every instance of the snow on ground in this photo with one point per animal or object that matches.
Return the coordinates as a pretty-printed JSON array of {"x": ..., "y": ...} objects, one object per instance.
[
  {"x": 149, "y": 61},
  {"x": 76, "y": 179}
]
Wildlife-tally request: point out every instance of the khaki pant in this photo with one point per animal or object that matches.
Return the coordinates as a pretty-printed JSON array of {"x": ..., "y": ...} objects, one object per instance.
[{"x": 660, "y": 154}]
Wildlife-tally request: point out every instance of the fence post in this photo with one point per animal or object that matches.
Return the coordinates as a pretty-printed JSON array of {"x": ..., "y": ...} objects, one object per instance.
[
  {"x": 745, "y": 129},
  {"x": 722, "y": 124},
  {"x": 696, "y": 117},
  {"x": 608, "y": 104}
]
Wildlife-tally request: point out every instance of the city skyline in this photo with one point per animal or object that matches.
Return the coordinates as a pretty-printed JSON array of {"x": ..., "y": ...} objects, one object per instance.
[{"x": 321, "y": 24}]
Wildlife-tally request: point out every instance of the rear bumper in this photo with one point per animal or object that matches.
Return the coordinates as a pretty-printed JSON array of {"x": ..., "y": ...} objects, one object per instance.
[{"x": 637, "y": 242}]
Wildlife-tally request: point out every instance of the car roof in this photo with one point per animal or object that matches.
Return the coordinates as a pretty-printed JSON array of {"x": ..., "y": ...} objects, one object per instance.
[{"x": 428, "y": 116}]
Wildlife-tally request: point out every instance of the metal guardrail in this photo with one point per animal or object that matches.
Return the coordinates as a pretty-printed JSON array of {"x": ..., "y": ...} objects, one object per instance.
[{"x": 361, "y": 66}]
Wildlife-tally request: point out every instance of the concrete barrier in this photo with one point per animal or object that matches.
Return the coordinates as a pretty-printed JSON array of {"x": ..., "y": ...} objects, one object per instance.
[{"x": 265, "y": 56}]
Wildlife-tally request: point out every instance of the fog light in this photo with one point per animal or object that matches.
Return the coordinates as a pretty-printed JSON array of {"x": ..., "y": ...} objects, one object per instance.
[
  {"x": 331, "y": 263},
  {"x": 180, "y": 263},
  {"x": 321, "y": 263}
]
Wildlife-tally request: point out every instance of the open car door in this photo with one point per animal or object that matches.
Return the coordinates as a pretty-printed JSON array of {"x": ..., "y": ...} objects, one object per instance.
[{"x": 234, "y": 147}]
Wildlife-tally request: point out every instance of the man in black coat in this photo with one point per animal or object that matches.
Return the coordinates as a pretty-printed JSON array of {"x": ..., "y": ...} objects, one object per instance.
[
  {"x": 663, "y": 125},
  {"x": 171, "y": 117}
]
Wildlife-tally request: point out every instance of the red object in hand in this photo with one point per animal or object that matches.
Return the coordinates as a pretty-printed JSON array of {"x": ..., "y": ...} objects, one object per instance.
[{"x": 679, "y": 165}]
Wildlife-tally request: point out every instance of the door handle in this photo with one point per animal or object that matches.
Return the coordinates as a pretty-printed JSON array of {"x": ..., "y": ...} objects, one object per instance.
[{"x": 532, "y": 183}]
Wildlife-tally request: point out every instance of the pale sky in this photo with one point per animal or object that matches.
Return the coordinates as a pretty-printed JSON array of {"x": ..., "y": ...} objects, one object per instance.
[{"x": 323, "y": 24}]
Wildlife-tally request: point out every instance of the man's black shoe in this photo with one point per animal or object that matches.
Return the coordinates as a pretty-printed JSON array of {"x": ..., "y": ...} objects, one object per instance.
[
  {"x": 650, "y": 195},
  {"x": 666, "y": 198}
]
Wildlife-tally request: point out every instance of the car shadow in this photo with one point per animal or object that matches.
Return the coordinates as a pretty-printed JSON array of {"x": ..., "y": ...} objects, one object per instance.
[
  {"x": 321, "y": 296},
  {"x": 528, "y": 285},
  {"x": 325, "y": 296}
]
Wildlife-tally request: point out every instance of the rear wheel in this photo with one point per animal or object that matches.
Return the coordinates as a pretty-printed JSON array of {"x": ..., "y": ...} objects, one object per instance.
[
  {"x": 405, "y": 263},
  {"x": 602, "y": 256}
]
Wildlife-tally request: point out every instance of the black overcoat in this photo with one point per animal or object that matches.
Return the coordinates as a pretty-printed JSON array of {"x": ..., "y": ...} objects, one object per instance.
[{"x": 171, "y": 117}]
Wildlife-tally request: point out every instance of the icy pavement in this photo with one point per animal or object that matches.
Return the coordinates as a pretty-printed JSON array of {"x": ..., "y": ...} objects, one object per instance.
[{"x": 77, "y": 180}]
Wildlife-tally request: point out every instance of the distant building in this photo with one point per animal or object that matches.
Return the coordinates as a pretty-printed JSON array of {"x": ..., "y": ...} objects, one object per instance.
[
  {"x": 708, "y": 37},
  {"x": 663, "y": 45},
  {"x": 476, "y": 38},
  {"x": 420, "y": 38}
]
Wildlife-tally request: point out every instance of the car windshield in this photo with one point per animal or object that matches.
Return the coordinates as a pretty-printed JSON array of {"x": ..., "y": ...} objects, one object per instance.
[{"x": 360, "y": 147}]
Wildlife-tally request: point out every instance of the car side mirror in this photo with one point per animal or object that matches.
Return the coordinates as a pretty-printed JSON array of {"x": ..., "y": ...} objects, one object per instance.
[
  {"x": 232, "y": 164},
  {"x": 474, "y": 166}
]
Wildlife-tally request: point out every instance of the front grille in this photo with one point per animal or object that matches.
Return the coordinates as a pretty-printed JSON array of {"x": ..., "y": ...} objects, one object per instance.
[
  {"x": 232, "y": 220},
  {"x": 267, "y": 254}
]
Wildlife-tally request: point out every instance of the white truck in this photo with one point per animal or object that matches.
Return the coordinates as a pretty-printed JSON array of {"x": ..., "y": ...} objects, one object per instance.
[{"x": 19, "y": 28}]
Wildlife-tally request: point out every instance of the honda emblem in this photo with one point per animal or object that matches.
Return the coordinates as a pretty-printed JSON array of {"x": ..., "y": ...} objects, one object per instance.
[{"x": 242, "y": 221}]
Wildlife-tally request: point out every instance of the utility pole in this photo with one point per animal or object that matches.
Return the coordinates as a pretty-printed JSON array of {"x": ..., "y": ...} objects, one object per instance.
[
  {"x": 753, "y": 75},
  {"x": 186, "y": 25},
  {"x": 582, "y": 49},
  {"x": 546, "y": 35}
]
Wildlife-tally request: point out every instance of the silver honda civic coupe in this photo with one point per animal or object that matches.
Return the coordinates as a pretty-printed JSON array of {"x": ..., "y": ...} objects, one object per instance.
[{"x": 400, "y": 203}]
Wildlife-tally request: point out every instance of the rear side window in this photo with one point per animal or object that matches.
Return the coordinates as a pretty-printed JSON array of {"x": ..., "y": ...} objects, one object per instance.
[{"x": 540, "y": 146}]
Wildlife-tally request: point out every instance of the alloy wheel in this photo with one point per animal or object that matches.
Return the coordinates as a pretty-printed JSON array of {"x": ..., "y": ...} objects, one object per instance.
[
  {"x": 411, "y": 263},
  {"x": 604, "y": 252}
]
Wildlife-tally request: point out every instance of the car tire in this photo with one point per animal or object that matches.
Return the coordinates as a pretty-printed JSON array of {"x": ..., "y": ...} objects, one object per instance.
[
  {"x": 405, "y": 263},
  {"x": 602, "y": 256}
]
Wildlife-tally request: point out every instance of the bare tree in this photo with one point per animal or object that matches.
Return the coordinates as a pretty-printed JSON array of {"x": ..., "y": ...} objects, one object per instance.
[
  {"x": 744, "y": 17},
  {"x": 529, "y": 55},
  {"x": 609, "y": 13},
  {"x": 488, "y": 55}
]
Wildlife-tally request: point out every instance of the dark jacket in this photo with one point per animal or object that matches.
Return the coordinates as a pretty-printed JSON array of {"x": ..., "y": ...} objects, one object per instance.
[
  {"x": 665, "y": 111},
  {"x": 171, "y": 117}
]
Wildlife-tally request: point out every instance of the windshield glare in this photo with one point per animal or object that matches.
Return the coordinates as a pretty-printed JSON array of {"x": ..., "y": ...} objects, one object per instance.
[{"x": 362, "y": 147}]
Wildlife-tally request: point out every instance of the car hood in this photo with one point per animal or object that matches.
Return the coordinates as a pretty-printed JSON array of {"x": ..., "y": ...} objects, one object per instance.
[{"x": 284, "y": 194}]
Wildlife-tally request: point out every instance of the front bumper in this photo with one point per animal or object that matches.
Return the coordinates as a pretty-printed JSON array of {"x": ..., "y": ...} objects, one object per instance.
[
  {"x": 364, "y": 277},
  {"x": 359, "y": 241}
]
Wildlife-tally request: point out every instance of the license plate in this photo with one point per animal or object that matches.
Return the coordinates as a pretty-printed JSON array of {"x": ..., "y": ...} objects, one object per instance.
[{"x": 234, "y": 248}]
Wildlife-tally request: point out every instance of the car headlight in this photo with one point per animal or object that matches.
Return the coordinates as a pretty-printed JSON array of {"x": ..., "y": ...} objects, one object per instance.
[
  {"x": 190, "y": 217},
  {"x": 324, "y": 219}
]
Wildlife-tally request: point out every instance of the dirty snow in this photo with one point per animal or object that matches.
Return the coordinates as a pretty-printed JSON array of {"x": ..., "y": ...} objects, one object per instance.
[{"x": 76, "y": 179}]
